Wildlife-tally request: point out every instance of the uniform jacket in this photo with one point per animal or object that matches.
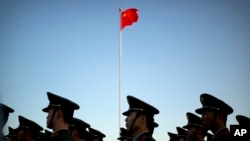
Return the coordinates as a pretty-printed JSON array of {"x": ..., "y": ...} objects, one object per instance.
[
  {"x": 222, "y": 135},
  {"x": 146, "y": 136},
  {"x": 61, "y": 135}
]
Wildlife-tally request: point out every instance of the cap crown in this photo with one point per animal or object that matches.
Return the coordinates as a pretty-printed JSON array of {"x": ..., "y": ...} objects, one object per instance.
[
  {"x": 172, "y": 135},
  {"x": 181, "y": 131},
  {"x": 29, "y": 124},
  {"x": 193, "y": 120},
  {"x": 243, "y": 120},
  {"x": 137, "y": 105},
  {"x": 60, "y": 102},
  {"x": 210, "y": 102},
  {"x": 96, "y": 133},
  {"x": 5, "y": 109},
  {"x": 79, "y": 124}
]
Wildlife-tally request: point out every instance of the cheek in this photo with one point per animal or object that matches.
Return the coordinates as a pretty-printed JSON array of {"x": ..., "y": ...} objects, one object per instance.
[
  {"x": 28, "y": 135},
  {"x": 204, "y": 117},
  {"x": 129, "y": 118}
]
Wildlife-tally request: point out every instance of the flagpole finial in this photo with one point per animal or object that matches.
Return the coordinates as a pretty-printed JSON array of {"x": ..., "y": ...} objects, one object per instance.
[{"x": 120, "y": 9}]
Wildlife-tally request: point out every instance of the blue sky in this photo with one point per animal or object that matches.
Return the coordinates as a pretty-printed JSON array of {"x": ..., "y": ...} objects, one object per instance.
[{"x": 176, "y": 51}]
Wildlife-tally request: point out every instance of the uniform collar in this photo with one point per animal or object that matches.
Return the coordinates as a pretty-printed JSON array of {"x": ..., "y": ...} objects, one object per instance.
[
  {"x": 138, "y": 135},
  {"x": 218, "y": 132},
  {"x": 58, "y": 130}
]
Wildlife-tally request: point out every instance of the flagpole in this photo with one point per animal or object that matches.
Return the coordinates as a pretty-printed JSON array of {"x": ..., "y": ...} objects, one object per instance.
[{"x": 120, "y": 68}]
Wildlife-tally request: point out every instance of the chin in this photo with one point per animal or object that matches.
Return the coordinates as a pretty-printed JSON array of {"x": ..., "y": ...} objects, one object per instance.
[{"x": 48, "y": 126}]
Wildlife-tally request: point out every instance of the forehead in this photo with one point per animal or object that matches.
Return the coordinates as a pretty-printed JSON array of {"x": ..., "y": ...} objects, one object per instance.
[
  {"x": 191, "y": 129},
  {"x": 50, "y": 110},
  {"x": 132, "y": 113},
  {"x": 207, "y": 111}
]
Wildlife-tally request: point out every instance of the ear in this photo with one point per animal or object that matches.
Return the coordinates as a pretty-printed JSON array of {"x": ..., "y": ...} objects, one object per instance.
[
  {"x": 142, "y": 118},
  {"x": 59, "y": 113},
  {"x": 74, "y": 132}
]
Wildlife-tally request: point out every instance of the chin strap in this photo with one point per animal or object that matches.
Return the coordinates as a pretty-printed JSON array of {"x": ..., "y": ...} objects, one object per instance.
[
  {"x": 52, "y": 118},
  {"x": 214, "y": 120},
  {"x": 132, "y": 125},
  {"x": 194, "y": 136}
]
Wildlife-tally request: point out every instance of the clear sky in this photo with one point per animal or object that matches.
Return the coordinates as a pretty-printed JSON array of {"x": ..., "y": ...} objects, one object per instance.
[{"x": 177, "y": 50}]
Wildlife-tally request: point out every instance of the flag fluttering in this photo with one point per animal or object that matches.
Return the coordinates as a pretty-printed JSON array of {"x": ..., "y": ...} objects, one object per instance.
[{"x": 128, "y": 17}]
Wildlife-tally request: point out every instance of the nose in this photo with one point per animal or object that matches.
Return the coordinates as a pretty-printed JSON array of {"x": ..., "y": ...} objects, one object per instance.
[{"x": 126, "y": 119}]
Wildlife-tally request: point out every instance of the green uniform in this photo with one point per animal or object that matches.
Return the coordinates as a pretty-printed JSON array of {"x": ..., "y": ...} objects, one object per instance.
[
  {"x": 143, "y": 108},
  {"x": 67, "y": 107},
  {"x": 61, "y": 135},
  {"x": 221, "y": 135},
  {"x": 145, "y": 136}
]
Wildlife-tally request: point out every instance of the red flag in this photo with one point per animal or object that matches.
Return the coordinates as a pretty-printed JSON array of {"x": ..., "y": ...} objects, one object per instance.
[{"x": 128, "y": 17}]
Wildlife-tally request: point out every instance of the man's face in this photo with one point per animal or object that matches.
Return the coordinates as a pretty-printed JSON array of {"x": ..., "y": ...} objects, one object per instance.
[
  {"x": 181, "y": 139},
  {"x": 24, "y": 135},
  {"x": 191, "y": 134},
  {"x": 130, "y": 119},
  {"x": 207, "y": 118},
  {"x": 20, "y": 135},
  {"x": 49, "y": 117},
  {"x": 28, "y": 136},
  {"x": 73, "y": 133},
  {"x": 97, "y": 139}
]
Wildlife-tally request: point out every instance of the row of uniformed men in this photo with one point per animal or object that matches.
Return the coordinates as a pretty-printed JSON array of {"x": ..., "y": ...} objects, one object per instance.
[
  {"x": 140, "y": 122},
  {"x": 213, "y": 118},
  {"x": 60, "y": 119}
]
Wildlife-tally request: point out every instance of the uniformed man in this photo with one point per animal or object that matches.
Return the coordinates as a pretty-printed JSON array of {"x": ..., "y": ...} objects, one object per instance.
[
  {"x": 27, "y": 130},
  {"x": 244, "y": 123},
  {"x": 4, "y": 115},
  {"x": 214, "y": 116},
  {"x": 60, "y": 112},
  {"x": 97, "y": 135},
  {"x": 181, "y": 134},
  {"x": 172, "y": 136},
  {"x": 140, "y": 119},
  {"x": 124, "y": 135},
  {"x": 196, "y": 132},
  {"x": 78, "y": 130}
]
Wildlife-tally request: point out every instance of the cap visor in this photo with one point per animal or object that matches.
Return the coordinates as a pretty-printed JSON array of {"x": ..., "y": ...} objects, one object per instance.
[
  {"x": 186, "y": 127},
  {"x": 199, "y": 111},
  {"x": 45, "y": 109},
  {"x": 125, "y": 113}
]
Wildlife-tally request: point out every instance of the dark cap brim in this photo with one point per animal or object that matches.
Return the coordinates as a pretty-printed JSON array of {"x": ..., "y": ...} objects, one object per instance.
[
  {"x": 136, "y": 104},
  {"x": 126, "y": 112},
  {"x": 6, "y": 108},
  {"x": 191, "y": 125},
  {"x": 123, "y": 137},
  {"x": 201, "y": 110},
  {"x": 185, "y": 126},
  {"x": 45, "y": 109}
]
